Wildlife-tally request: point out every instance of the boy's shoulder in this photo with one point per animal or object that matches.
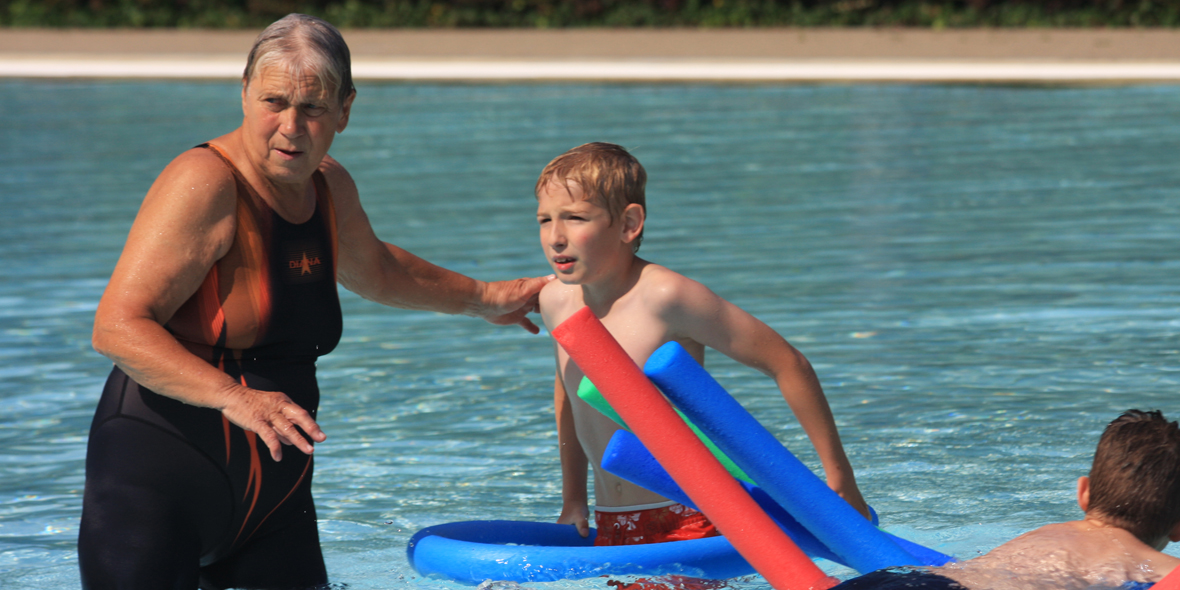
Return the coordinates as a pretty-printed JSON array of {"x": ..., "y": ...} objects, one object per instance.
[
  {"x": 1076, "y": 547},
  {"x": 657, "y": 290},
  {"x": 666, "y": 290},
  {"x": 558, "y": 301}
]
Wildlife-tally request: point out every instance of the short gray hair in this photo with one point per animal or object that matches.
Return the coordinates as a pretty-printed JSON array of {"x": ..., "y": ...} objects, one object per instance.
[{"x": 306, "y": 43}]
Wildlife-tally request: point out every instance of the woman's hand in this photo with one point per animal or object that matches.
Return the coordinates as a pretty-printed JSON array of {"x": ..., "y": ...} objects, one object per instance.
[
  {"x": 273, "y": 417},
  {"x": 509, "y": 302}
]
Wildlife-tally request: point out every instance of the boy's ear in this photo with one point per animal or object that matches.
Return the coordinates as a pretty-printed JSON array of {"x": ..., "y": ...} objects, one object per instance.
[
  {"x": 1084, "y": 493},
  {"x": 1174, "y": 535},
  {"x": 633, "y": 218}
]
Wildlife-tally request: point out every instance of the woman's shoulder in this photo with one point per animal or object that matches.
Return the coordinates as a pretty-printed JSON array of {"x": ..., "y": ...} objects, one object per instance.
[
  {"x": 197, "y": 184},
  {"x": 202, "y": 168},
  {"x": 340, "y": 182},
  {"x": 334, "y": 171}
]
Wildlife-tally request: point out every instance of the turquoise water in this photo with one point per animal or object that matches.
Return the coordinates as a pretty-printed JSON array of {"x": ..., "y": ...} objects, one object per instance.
[{"x": 982, "y": 277}]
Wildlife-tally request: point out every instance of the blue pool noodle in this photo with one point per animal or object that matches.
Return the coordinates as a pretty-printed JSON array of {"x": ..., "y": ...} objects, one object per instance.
[
  {"x": 627, "y": 458},
  {"x": 835, "y": 523}
]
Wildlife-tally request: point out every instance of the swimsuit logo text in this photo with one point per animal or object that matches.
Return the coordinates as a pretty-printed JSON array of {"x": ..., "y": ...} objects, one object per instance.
[
  {"x": 305, "y": 261},
  {"x": 304, "y": 264}
]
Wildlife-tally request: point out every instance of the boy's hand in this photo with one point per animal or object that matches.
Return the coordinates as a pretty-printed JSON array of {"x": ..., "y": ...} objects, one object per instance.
[
  {"x": 854, "y": 499},
  {"x": 579, "y": 516},
  {"x": 509, "y": 302}
]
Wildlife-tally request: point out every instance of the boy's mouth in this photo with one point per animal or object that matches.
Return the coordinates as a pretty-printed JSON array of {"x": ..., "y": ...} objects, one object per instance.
[{"x": 563, "y": 262}]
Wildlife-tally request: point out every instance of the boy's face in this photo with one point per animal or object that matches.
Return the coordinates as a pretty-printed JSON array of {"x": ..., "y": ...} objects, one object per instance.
[{"x": 577, "y": 235}]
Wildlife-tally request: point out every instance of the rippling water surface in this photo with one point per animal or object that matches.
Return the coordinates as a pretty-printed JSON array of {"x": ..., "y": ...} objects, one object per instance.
[{"x": 982, "y": 277}]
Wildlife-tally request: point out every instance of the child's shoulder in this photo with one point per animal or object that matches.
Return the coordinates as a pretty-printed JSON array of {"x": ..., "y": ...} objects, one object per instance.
[
  {"x": 661, "y": 287},
  {"x": 558, "y": 301}
]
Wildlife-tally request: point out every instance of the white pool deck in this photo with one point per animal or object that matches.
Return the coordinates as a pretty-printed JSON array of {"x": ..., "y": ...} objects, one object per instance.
[{"x": 1053, "y": 56}]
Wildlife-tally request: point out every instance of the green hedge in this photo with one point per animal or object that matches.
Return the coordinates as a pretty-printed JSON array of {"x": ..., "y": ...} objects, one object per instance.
[{"x": 595, "y": 13}]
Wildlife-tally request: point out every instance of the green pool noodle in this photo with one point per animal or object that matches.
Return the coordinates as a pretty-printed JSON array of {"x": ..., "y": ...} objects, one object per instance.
[{"x": 589, "y": 394}]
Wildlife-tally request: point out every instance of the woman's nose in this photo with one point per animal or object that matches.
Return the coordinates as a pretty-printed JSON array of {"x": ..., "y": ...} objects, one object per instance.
[{"x": 291, "y": 122}]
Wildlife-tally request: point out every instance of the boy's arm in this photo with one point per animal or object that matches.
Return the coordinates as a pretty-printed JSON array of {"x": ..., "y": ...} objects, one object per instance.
[
  {"x": 705, "y": 317},
  {"x": 574, "y": 499}
]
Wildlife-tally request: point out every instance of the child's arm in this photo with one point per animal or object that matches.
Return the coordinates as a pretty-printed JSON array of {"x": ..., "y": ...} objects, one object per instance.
[
  {"x": 574, "y": 509},
  {"x": 705, "y": 317}
]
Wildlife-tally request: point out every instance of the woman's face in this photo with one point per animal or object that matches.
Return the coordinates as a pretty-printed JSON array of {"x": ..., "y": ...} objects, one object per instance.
[{"x": 289, "y": 123}]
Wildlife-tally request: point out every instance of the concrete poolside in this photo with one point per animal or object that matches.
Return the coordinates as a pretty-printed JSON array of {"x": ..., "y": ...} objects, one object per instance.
[{"x": 786, "y": 55}]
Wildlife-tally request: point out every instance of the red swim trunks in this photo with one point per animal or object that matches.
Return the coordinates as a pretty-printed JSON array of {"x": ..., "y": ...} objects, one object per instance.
[{"x": 656, "y": 524}]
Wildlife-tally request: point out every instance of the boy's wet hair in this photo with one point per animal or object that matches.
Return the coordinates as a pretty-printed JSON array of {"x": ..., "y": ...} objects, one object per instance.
[
  {"x": 1135, "y": 478},
  {"x": 606, "y": 172}
]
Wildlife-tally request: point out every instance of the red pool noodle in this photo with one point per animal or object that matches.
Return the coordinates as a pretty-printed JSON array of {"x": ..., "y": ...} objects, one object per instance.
[
  {"x": 756, "y": 537},
  {"x": 1170, "y": 581}
]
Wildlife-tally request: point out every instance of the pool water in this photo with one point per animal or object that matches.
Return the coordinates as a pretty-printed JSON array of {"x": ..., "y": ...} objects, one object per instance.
[{"x": 983, "y": 277}]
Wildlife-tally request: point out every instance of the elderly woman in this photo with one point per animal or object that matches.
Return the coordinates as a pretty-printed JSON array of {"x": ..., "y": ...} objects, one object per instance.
[{"x": 222, "y": 300}]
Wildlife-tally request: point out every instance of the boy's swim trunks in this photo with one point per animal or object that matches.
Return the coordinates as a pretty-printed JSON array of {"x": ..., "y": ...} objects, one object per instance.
[
  {"x": 659, "y": 523},
  {"x": 898, "y": 579}
]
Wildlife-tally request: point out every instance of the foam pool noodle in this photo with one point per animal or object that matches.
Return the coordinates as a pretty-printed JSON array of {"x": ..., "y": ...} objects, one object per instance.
[
  {"x": 473, "y": 552},
  {"x": 590, "y": 394},
  {"x": 835, "y": 523},
  {"x": 627, "y": 458},
  {"x": 754, "y": 534},
  {"x": 1170, "y": 581}
]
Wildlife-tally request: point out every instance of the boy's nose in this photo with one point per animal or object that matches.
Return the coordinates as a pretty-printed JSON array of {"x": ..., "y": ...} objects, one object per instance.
[{"x": 556, "y": 237}]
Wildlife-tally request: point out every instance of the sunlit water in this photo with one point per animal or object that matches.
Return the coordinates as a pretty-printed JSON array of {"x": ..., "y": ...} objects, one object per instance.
[{"x": 982, "y": 277}]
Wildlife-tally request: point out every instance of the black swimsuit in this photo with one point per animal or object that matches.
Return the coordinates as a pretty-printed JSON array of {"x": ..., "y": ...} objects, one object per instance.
[
  {"x": 177, "y": 496},
  {"x": 900, "y": 579}
]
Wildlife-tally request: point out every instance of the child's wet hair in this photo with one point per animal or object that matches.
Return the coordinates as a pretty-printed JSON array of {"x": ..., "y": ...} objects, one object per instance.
[
  {"x": 1135, "y": 477},
  {"x": 606, "y": 172}
]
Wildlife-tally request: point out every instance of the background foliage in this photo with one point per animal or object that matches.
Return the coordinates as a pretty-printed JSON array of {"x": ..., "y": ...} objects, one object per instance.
[{"x": 595, "y": 13}]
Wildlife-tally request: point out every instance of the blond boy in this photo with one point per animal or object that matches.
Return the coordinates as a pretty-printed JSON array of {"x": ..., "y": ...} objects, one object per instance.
[
  {"x": 1131, "y": 501},
  {"x": 591, "y": 211}
]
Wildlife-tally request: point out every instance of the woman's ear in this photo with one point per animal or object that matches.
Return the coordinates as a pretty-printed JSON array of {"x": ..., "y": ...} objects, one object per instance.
[
  {"x": 245, "y": 84},
  {"x": 633, "y": 218},
  {"x": 1084, "y": 493},
  {"x": 345, "y": 111}
]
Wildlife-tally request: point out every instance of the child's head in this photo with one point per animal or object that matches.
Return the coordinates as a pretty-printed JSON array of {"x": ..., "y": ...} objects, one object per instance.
[
  {"x": 606, "y": 173},
  {"x": 1135, "y": 479}
]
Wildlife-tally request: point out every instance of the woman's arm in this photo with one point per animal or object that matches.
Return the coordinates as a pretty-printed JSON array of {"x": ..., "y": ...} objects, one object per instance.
[
  {"x": 384, "y": 273},
  {"x": 186, "y": 223}
]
